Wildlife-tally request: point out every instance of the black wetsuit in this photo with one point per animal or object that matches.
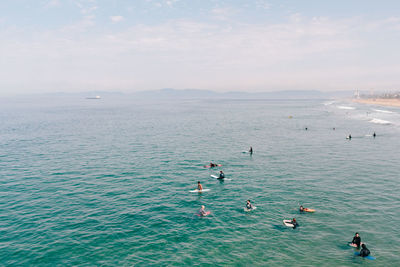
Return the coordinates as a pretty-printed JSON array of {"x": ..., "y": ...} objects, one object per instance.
[
  {"x": 364, "y": 252},
  {"x": 249, "y": 206},
  {"x": 221, "y": 175},
  {"x": 357, "y": 241},
  {"x": 295, "y": 224}
]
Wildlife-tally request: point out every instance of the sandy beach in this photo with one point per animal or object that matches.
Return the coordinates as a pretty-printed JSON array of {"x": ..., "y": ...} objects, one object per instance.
[{"x": 379, "y": 102}]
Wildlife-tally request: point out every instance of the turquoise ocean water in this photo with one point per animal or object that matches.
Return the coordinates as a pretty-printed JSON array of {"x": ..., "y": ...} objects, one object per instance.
[{"x": 106, "y": 182}]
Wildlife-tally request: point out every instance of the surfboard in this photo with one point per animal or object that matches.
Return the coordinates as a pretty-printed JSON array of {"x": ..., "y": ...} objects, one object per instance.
[
  {"x": 288, "y": 223},
  {"x": 248, "y": 210},
  {"x": 217, "y": 177},
  {"x": 207, "y": 213},
  {"x": 199, "y": 191},
  {"x": 368, "y": 257},
  {"x": 309, "y": 210}
]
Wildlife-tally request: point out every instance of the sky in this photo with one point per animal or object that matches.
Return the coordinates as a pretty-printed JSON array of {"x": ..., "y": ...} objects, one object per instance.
[{"x": 254, "y": 46}]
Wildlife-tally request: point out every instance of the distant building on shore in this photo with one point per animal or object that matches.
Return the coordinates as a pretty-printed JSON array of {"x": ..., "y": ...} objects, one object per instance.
[{"x": 395, "y": 95}]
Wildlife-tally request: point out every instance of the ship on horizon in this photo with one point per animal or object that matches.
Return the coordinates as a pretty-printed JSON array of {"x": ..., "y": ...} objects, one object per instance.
[{"x": 95, "y": 97}]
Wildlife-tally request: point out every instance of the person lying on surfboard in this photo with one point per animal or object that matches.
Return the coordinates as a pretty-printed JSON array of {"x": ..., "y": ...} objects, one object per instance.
[
  {"x": 212, "y": 165},
  {"x": 248, "y": 205},
  {"x": 301, "y": 208},
  {"x": 221, "y": 175},
  {"x": 356, "y": 240},
  {"x": 199, "y": 186}
]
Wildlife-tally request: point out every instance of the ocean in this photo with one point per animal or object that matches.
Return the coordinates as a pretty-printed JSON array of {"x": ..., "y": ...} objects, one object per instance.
[{"x": 106, "y": 182}]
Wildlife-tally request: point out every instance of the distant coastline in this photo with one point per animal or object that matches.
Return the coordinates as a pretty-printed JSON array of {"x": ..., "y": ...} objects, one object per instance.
[{"x": 392, "y": 102}]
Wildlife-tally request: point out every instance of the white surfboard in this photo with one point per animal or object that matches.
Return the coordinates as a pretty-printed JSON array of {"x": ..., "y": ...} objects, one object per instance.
[
  {"x": 288, "y": 223},
  {"x": 199, "y": 191}
]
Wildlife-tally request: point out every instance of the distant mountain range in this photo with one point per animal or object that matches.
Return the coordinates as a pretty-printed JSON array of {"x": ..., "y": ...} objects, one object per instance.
[
  {"x": 169, "y": 93},
  {"x": 196, "y": 93}
]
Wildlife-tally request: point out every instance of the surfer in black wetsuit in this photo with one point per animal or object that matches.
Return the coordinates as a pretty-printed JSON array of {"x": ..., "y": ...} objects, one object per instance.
[
  {"x": 294, "y": 222},
  {"x": 356, "y": 240},
  {"x": 221, "y": 175},
  {"x": 301, "y": 208},
  {"x": 374, "y": 135},
  {"x": 364, "y": 251},
  {"x": 349, "y": 137},
  {"x": 248, "y": 205},
  {"x": 212, "y": 165}
]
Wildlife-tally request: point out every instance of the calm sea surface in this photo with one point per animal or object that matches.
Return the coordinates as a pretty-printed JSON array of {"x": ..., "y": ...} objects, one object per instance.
[{"x": 106, "y": 182}]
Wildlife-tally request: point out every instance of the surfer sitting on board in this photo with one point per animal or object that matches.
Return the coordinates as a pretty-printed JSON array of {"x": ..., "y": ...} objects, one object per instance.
[
  {"x": 294, "y": 222},
  {"x": 301, "y": 208},
  {"x": 221, "y": 175},
  {"x": 364, "y": 251},
  {"x": 356, "y": 240},
  {"x": 248, "y": 205},
  {"x": 202, "y": 211},
  {"x": 199, "y": 186},
  {"x": 251, "y": 150}
]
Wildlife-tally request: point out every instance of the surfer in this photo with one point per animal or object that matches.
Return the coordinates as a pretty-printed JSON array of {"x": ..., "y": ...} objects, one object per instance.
[
  {"x": 221, "y": 175},
  {"x": 294, "y": 222},
  {"x": 199, "y": 186},
  {"x": 374, "y": 135},
  {"x": 248, "y": 205},
  {"x": 364, "y": 252},
  {"x": 212, "y": 165},
  {"x": 349, "y": 137},
  {"x": 301, "y": 208},
  {"x": 251, "y": 150},
  {"x": 356, "y": 240},
  {"x": 306, "y": 128},
  {"x": 202, "y": 211}
]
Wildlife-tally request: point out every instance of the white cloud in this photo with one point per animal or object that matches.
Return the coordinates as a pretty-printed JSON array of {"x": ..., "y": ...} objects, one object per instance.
[
  {"x": 116, "y": 19},
  {"x": 224, "y": 13},
  {"x": 314, "y": 53},
  {"x": 52, "y": 3}
]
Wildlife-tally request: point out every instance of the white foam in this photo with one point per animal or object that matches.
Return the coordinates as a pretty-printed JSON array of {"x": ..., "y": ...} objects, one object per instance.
[
  {"x": 379, "y": 121},
  {"x": 344, "y": 107},
  {"x": 383, "y": 111},
  {"x": 329, "y": 103}
]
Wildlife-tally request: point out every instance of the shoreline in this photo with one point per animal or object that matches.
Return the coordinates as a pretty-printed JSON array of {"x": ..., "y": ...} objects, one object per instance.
[{"x": 379, "y": 102}]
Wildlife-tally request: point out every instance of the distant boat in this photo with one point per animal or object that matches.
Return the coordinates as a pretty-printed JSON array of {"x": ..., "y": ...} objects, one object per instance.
[{"x": 96, "y": 97}]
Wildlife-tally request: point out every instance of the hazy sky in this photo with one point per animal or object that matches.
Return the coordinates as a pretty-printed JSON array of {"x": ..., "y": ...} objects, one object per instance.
[{"x": 133, "y": 45}]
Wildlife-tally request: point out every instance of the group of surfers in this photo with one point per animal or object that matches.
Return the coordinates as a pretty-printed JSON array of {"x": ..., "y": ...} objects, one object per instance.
[
  {"x": 356, "y": 242},
  {"x": 349, "y": 136}
]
